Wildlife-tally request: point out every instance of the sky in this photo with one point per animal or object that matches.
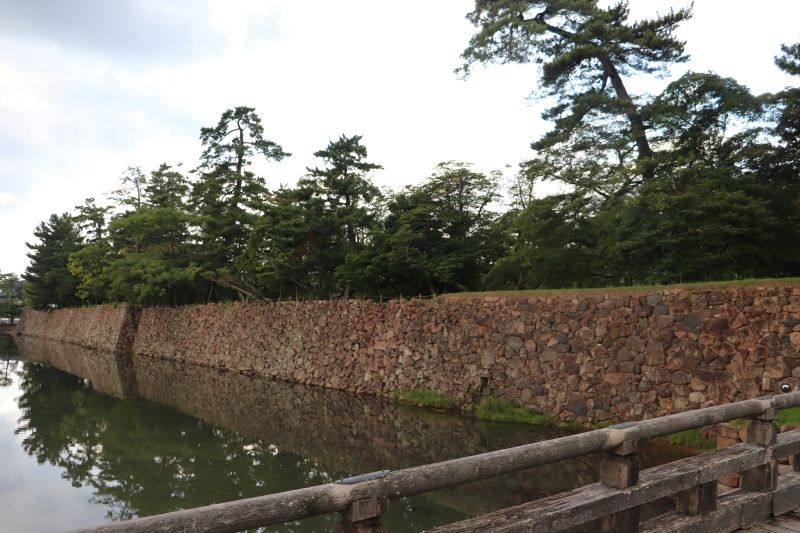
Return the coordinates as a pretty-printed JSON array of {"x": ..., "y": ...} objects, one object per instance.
[{"x": 90, "y": 87}]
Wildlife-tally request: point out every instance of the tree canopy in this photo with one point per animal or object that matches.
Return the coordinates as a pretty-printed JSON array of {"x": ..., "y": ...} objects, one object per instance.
[{"x": 700, "y": 181}]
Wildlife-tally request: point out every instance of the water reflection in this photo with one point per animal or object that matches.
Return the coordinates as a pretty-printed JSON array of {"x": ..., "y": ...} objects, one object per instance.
[
  {"x": 229, "y": 436},
  {"x": 10, "y": 359}
]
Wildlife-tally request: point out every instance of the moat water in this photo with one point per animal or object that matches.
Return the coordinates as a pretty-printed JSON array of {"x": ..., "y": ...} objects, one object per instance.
[{"x": 82, "y": 443}]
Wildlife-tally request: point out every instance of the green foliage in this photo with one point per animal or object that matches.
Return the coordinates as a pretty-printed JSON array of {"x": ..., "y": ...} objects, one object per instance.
[
  {"x": 692, "y": 439},
  {"x": 89, "y": 266},
  {"x": 730, "y": 234},
  {"x": 585, "y": 50},
  {"x": 91, "y": 219},
  {"x": 339, "y": 204},
  {"x": 789, "y": 417},
  {"x": 228, "y": 196},
  {"x": 11, "y": 296},
  {"x": 436, "y": 237},
  {"x": 428, "y": 398},
  {"x": 48, "y": 281},
  {"x": 144, "y": 255},
  {"x": 696, "y": 183},
  {"x": 553, "y": 246},
  {"x": 495, "y": 409}
]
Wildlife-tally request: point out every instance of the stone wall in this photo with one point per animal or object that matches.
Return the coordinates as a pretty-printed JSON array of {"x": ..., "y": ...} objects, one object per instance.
[
  {"x": 590, "y": 356},
  {"x": 96, "y": 327}
]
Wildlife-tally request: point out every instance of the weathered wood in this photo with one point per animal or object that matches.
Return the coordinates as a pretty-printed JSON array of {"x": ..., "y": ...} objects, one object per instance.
[
  {"x": 787, "y": 494},
  {"x": 595, "y": 501},
  {"x": 365, "y": 526},
  {"x": 365, "y": 509},
  {"x": 698, "y": 500},
  {"x": 729, "y": 516},
  {"x": 763, "y": 432},
  {"x": 788, "y": 444},
  {"x": 626, "y": 521},
  {"x": 251, "y": 513},
  {"x": 363, "y": 516},
  {"x": 619, "y": 469},
  {"x": 762, "y": 478}
]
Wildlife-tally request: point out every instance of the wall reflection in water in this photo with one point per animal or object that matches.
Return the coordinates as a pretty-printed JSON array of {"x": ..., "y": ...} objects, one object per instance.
[{"x": 230, "y": 436}]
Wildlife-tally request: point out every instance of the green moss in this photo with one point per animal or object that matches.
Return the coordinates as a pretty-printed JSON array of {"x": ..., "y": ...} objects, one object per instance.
[
  {"x": 739, "y": 422},
  {"x": 495, "y": 409},
  {"x": 690, "y": 438},
  {"x": 428, "y": 398}
]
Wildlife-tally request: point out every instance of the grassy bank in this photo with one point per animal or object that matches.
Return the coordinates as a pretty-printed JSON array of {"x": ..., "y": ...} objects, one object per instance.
[
  {"x": 427, "y": 398},
  {"x": 629, "y": 289}
]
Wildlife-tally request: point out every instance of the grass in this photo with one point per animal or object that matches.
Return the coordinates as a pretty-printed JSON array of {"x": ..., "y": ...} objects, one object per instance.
[
  {"x": 691, "y": 439},
  {"x": 632, "y": 289},
  {"x": 786, "y": 417},
  {"x": 428, "y": 398},
  {"x": 789, "y": 417},
  {"x": 496, "y": 410}
]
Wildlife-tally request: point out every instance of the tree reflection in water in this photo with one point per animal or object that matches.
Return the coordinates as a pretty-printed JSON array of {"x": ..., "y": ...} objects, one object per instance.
[
  {"x": 10, "y": 359},
  {"x": 142, "y": 458}
]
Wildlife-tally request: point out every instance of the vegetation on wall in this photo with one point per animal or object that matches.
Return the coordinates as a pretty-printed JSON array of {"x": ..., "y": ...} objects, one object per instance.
[{"x": 698, "y": 182}]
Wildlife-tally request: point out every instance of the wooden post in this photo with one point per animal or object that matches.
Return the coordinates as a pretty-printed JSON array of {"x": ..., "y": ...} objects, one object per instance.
[
  {"x": 699, "y": 500},
  {"x": 764, "y": 432},
  {"x": 363, "y": 516},
  {"x": 794, "y": 460},
  {"x": 619, "y": 469}
]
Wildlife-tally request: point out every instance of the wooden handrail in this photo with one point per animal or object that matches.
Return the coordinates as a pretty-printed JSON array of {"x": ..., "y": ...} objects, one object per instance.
[{"x": 341, "y": 496}]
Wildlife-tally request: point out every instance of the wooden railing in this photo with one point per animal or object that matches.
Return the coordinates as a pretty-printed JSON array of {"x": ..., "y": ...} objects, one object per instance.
[{"x": 614, "y": 501}]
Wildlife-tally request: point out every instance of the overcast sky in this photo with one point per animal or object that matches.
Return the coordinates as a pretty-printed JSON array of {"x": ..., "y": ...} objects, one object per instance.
[{"x": 89, "y": 87}]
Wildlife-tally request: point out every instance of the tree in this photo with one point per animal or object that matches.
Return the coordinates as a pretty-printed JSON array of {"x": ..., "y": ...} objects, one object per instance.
[
  {"x": 711, "y": 211},
  {"x": 276, "y": 261},
  {"x": 132, "y": 188},
  {"x": 228, "y": 197},
  {"x": 145, "y": 255},
  {"x": 344, "y": 185},
  {"x": 585, "y": 51},
  {"x": 439, "y": 236},
  {"x": 153, "y": 261},
  {"x": 167, "y": 188},
  {"x": 712, "y": 230},
  {"x": 92, "y": 219},
  {"x": 692, "y": 121},
  {"x": 48, "y": 281},
  {"x": 237, "y": 137},
  {"x": 785, "y": 163},
  {"x": 11, "y": 296},
  {"x": 553, "y": 245},
  {"x": 337, "y": 202}
]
